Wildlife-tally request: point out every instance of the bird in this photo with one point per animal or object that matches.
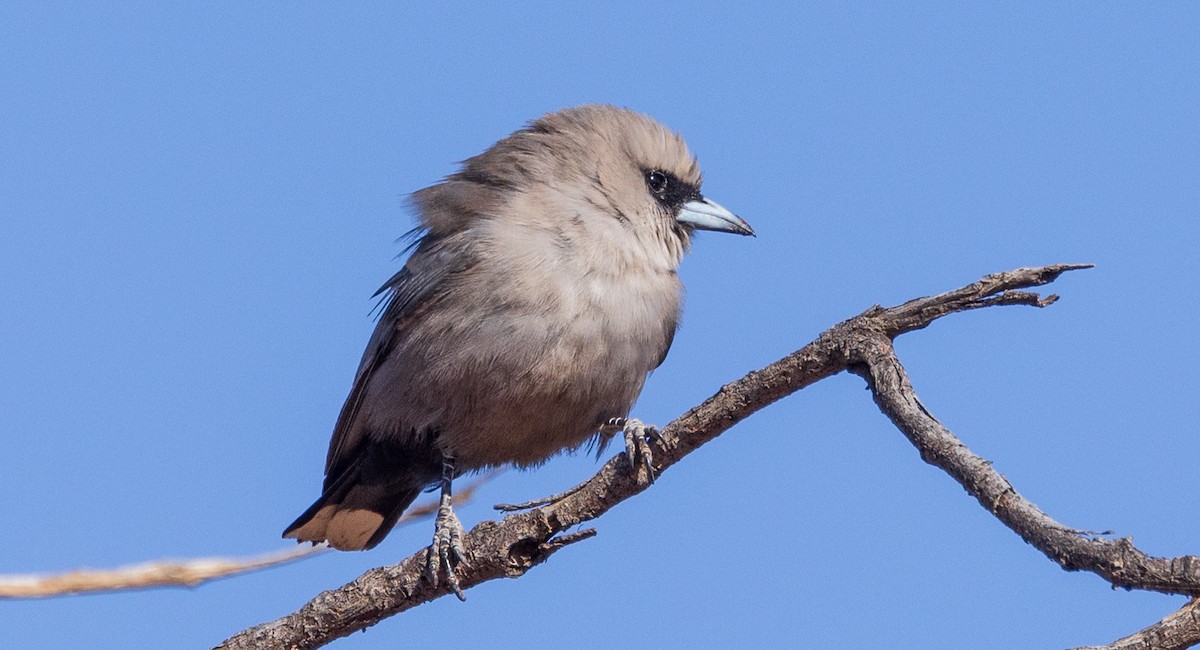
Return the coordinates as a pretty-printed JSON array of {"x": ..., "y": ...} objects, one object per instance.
[{"x": 539, "y": 293}]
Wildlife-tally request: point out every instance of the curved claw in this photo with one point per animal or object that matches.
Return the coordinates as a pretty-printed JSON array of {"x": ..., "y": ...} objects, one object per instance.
[
  {"x": 447, "y": 550},
  {"x": 637, "y": 447}
]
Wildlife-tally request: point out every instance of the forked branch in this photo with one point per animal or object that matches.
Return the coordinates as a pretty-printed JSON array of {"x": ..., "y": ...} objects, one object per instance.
[{"x": 863, "y": 345}]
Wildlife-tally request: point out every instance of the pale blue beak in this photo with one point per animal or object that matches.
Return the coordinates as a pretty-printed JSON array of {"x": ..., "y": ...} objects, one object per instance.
[{"x": 705, "y": 214}]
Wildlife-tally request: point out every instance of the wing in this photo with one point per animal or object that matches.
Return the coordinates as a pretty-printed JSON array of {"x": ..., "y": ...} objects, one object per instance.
[
  {"x": 405, "y": 297},
  {"x": 669, "y": 329}
]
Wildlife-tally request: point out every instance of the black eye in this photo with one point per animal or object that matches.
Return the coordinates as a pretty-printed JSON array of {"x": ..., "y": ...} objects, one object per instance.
[{"x": 656, "y": 181}]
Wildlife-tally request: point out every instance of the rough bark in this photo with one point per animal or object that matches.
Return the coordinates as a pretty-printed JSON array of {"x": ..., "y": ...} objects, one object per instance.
[{"x": 862, "y": 345}]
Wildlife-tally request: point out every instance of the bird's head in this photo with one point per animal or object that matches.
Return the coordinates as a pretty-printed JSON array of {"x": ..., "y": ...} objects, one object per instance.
[{"x": 596, "y": 165}]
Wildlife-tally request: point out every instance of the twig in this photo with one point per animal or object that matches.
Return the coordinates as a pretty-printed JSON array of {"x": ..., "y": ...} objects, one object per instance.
[
  {"x": 180, "y": 573},
  {"x": 163, "y": 573}
]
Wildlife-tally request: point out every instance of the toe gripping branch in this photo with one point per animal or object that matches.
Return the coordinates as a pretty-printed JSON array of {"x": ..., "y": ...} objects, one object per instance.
[
  {"x": 637, "y": 446},
  {"x": 447, "y": 550}
]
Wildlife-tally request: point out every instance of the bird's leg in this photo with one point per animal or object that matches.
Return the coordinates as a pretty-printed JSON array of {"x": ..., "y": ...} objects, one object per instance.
[
  {"x": 637, "y": 445},
  {"x": 447, "y": 548}
]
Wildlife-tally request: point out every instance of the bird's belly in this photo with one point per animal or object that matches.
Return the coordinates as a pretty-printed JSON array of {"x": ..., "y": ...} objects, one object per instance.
[
  {"x": 524, "y": 414},
  {"x": 552, "y": 379}
]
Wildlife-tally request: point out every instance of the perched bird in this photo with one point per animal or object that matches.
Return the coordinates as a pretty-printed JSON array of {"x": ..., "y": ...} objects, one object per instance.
[{"x": 541, "y": 292}]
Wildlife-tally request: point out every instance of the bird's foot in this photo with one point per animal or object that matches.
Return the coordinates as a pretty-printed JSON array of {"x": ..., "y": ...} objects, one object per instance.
[
  {"x": 637, "y": 446},
  {"x": 447, "y": 550}
]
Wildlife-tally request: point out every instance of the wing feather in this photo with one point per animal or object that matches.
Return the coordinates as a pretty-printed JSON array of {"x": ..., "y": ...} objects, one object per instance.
[{"x": 405, "y": 298}]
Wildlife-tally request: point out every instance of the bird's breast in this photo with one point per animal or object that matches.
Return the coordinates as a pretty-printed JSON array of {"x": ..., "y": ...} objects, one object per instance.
[
  {"x": 570, "y": 336},
  {"x": 527, "y": 355}
]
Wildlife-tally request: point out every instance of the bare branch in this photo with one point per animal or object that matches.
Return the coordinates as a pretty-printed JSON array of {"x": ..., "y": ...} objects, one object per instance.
[
  {"x": 863, "y": 344},
  {"x": 164, "y": 573},
  {"x": 1115, "y": 560},
  {"x": 1178, "y": 631},
  {"x": 181, "y": 573},
  {"x": 991, "y": 290}
]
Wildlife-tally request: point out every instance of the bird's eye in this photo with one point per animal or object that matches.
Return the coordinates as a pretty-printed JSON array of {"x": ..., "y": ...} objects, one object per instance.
[{"x": 656, "y": 181}]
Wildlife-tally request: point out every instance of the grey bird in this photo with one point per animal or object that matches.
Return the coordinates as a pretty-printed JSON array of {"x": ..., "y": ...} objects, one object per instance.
[{"x": 540, "y": 294}]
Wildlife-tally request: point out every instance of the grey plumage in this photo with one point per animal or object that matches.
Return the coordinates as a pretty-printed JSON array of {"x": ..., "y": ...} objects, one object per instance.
[{"x": 541, "y": 293}]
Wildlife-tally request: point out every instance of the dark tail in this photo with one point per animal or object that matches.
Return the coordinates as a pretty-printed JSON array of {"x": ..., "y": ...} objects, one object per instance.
[{"x": 356, "y": 511}]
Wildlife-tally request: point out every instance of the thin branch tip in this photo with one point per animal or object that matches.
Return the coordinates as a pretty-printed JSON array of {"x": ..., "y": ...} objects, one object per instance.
[
  {"x": 1058, "y": 269},
  {"x": 556, "y": 543},
  {"x": 1048, "y": 300}
]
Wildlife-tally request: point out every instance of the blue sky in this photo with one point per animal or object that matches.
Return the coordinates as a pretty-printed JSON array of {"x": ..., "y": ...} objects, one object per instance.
[{"x": 198, "y": 202}]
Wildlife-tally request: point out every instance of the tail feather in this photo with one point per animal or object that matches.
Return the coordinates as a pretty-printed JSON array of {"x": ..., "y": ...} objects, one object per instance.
[{"x": 353, "y": 514}]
